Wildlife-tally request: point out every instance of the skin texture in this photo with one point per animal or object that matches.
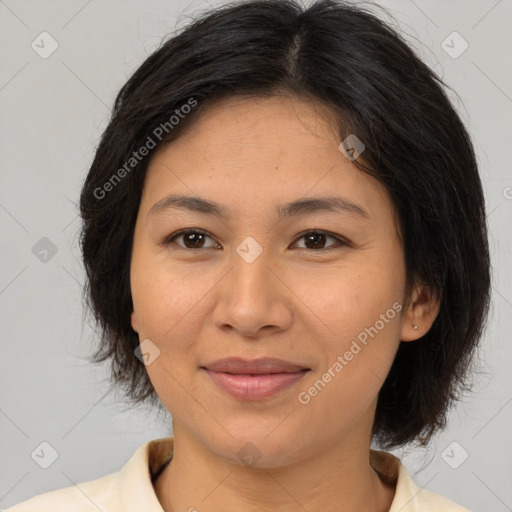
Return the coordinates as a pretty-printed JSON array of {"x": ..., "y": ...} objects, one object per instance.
[{"x": 303, "y": 305}]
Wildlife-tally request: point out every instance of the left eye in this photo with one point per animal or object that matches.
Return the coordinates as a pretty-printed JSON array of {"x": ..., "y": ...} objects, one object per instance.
[
  {"x": 194, "y": 239},
  {"x": 316, "y": 238}
]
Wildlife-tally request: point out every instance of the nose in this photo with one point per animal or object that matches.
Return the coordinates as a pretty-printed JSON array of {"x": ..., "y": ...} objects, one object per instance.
[{"x": 253, "y": 298}]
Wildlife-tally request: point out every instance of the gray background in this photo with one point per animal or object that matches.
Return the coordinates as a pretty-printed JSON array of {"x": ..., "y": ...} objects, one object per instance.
[{"x": 53, "y": 112}]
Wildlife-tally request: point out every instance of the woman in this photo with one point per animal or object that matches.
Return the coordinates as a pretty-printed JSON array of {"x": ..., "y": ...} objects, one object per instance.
[{"x": 285, "y": 244}]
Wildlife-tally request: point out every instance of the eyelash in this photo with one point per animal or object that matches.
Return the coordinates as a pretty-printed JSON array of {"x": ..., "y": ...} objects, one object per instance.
[{"x": 170, "y": 239}]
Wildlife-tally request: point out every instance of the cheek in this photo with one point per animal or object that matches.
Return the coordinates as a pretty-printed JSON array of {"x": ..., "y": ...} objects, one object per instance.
[
  {"x": 357, "y": 363},
  {"x": 347, "y": 301},
  {"x": 371, "y": 322},
  {"x": 164, "y": 298},
  {"x": 362, "y": 310},
  {"x": 171, "y": 305},
  {"x": 167, "y": 311}
]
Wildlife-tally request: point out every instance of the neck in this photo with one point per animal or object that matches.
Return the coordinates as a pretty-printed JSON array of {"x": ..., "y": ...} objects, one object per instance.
[{"x": 340, "y": 478}]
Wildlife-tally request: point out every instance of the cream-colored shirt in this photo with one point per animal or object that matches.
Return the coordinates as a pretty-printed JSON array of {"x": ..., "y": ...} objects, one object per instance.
[{"x": 131, "y": 489}]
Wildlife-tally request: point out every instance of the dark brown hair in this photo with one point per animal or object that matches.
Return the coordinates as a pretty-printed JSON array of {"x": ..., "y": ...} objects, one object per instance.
[{"x": 416, "y": 145}]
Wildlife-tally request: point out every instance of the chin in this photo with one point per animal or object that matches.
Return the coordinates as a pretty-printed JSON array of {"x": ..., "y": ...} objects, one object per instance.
[{"x": 255, "y": 447}]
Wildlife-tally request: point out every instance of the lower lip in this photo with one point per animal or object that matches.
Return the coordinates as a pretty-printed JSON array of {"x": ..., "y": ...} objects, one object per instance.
[{"x": 254, "y": 387}]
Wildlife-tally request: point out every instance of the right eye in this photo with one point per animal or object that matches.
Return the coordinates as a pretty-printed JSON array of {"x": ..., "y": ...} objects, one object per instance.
[{"x": 193, "y": 239}]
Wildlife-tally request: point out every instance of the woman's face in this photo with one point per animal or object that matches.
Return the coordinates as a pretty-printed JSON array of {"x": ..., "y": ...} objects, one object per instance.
[{"x": 251, "y": 281}]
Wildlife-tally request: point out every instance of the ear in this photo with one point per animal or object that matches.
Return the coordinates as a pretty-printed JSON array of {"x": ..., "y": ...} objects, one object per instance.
[
  {"x": 135, "y": 324},
  {"x": 421, "y": 312}
]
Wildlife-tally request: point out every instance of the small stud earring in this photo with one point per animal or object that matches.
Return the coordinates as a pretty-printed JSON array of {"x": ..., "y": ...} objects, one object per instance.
[{"x": 415, "y": 327}]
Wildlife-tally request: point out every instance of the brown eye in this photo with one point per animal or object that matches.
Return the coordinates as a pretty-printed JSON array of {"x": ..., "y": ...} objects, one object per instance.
[
  {"x": 192, "y": 239},
  {"x": 315, "y": 240},
  {"x": 196, "y": 240}
]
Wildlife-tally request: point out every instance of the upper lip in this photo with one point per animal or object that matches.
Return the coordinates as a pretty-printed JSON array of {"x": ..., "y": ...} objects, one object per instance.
[{"x": 265, "y": 365}]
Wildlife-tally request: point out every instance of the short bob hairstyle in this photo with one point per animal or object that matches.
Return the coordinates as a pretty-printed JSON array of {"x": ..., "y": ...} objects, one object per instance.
[{"x": 342, "y": 56}]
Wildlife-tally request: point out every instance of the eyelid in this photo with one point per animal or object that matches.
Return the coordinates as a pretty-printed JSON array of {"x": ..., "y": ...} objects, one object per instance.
[
  {"x": 169, "y": 239},
  {"x": 341, "y": 240}
]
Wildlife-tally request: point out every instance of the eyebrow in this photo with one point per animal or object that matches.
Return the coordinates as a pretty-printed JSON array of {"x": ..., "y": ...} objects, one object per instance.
[{"x": 294, "y": 208}]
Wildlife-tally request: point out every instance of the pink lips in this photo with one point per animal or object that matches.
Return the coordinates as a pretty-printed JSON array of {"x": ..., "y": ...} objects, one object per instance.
[{"x": 256, "y": 379}]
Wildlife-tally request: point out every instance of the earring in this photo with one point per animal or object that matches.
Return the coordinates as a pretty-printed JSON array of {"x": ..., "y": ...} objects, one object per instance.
[{"x": 415, "y": 327}]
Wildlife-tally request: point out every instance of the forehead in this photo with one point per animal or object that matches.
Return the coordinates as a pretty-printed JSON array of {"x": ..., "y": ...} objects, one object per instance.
[
  {"x": 257, "y": 133},
  {"x": 247, "y": 151},
  {"x": 264, "y": 117}
]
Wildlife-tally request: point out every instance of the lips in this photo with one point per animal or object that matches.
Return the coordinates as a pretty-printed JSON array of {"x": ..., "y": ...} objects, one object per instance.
[
  {"x": 254, "y": 379},
  {"x": 237, "y": 365}
]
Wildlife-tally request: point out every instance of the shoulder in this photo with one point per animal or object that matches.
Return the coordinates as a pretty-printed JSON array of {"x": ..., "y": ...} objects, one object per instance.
[
  {"x": 128, "y": 490},
  {"x": 427, "y": 501},
  {"x": 409, "y": 497},
  {"x": 93, "y": 495}
]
